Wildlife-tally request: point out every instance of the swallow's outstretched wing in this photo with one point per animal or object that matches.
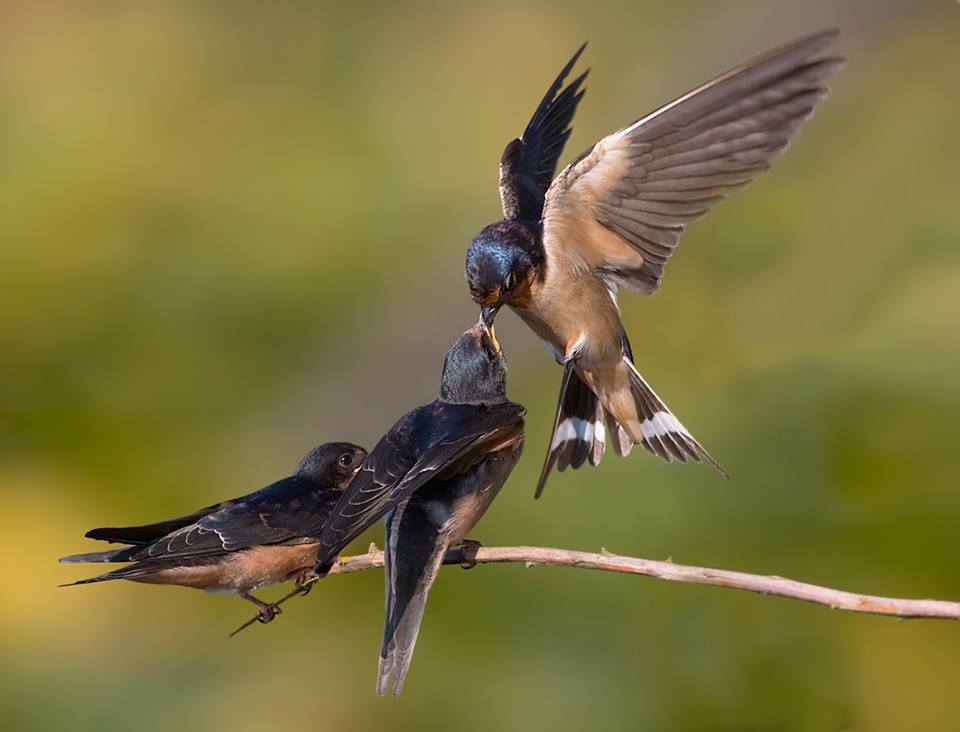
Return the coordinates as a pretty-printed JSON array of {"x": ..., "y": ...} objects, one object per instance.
[
  {"x": 621, "y": 207},
  {"x": 437, "y": 440},
  {"x": 530, "y": 162}
]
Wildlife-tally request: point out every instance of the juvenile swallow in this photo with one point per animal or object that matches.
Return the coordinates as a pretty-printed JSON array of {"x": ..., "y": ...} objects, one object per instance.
[
  {"x": 262, "y": 538},
  {"x": 432, "y": 476},
  {"x": 612, "y": 218}
]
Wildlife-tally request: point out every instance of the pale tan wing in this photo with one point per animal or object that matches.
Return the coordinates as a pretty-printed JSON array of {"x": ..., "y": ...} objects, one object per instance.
[{"x": 621, "y": 207}]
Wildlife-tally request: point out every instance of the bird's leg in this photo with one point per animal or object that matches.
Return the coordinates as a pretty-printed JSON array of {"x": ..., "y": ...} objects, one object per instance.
[
  {"x": 468, "y": 549},
  {"x": 268, "y": 611}
]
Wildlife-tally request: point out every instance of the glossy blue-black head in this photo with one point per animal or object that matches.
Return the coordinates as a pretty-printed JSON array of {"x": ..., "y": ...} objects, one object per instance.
[
  {"x": 500, "y": 268},
  {"x": 474, "y": 370},
  {"x": 332, "y": 464}
]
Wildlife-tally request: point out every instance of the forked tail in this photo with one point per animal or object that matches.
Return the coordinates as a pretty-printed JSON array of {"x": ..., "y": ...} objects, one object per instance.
[
  {"x": 658, "y": 430},
  {"x": 583, "y": 424},
  {"x": 579, "y": 429}
]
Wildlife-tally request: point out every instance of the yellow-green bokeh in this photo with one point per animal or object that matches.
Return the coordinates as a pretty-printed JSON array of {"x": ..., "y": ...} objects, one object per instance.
[{"x": 230, "y": 231}]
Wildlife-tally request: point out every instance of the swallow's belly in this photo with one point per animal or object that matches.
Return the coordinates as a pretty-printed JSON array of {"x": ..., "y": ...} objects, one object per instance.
[
  {"x": 576, "y": 317},
  {"x": 208, "y": 575},
  {"x": 266, "y": 565},
  {"x": 241, "y": 570}
]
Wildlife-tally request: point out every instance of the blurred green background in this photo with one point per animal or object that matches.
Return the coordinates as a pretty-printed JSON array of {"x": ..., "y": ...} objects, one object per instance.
[{"x": 230, "y": 231}]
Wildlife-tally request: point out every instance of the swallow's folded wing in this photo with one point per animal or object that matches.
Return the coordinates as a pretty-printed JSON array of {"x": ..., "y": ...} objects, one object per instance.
[
  {"x": 289, "y": 511},
  {"x": 147, "y": 533},
  {"x": 621, "y": 207},
  {"x": 439, "y": 439},
  {"x": 530, "y": 162}
]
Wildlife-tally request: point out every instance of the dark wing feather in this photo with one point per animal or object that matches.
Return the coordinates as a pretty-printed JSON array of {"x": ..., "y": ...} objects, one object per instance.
[
  {"x": 413, "y": 552},
  {"x": 530, "y": 162},
  {"x": 646, "y": 182},
  {"x": 289, "y": 510},
  {"x": 147, "y": 533},
  {"x": 439, "y": 439}
]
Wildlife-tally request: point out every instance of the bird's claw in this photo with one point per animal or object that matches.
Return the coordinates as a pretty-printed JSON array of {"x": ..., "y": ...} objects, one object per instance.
[
  {"x": 468, "y": 550},
  {"x": 305, "y": 583},
  {"x": 268, "y": 613}
]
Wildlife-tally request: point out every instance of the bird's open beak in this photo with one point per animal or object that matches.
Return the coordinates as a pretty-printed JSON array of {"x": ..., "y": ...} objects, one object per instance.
[
  {"x": 488, "y": 327},
  {"x": 487, "y": 315}
]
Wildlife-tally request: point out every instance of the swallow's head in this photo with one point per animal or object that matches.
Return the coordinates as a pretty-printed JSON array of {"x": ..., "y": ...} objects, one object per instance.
[
  {"x": 474, "y": 370},
  {"x": 333, "y": 464},
  {"x": 500, "y": 268}
]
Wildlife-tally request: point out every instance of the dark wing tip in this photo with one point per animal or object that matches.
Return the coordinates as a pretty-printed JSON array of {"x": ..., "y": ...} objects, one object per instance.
[
  {"x": 577, "y": 54},
  {"x": 554, "y": 89}
]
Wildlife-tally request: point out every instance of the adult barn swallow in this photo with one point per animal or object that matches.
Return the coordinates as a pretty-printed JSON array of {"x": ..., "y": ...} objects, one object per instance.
[
  {"x": 262, "y": 538},
  {"x": 432, "y": 476},
  {"x": 612, "y": 218}
]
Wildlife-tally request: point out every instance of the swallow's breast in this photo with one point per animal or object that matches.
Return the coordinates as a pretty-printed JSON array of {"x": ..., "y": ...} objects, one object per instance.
[{"x": 573, "y": 311}]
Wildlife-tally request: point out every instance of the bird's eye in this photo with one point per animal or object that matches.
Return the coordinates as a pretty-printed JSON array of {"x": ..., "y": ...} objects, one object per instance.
[
  {"x": 509, "y": 281},
  {"x": 346, "y": 460}
]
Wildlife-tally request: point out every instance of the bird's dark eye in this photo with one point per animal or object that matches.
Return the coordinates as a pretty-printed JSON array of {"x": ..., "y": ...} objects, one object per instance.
[{"x": 346, "y": 460}]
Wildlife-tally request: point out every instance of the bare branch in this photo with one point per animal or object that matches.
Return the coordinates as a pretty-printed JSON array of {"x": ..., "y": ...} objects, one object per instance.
[{"x": 604, "y": 561}]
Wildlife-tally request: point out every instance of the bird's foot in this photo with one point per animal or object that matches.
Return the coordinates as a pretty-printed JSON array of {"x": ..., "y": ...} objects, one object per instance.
[
  {"x": 305, "y": 582},
  {"x": 268, "y": 613},
  {"x": 268, "y": 610},
  {"x": 469, "y": 549}
]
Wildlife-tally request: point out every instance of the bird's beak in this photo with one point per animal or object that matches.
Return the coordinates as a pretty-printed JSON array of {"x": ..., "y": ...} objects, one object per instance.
[
  {"x": 487, "y": 314},
  {"x": 488, "y": 328}
]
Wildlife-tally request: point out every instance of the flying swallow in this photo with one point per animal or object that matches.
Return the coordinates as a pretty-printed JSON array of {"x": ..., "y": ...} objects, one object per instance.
[
  {"x": 612, "y": 218},
  {"x": 433, "y": 475},
  {"x": 262, "y": 538}
]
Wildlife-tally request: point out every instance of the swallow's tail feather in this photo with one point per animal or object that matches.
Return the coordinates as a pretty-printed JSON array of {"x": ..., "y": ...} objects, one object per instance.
[
  {"x": 579, "y": 431},
  {"x": 114, "y": 555},
  {"x": 651, "y": 423},
  {"x": 137, "y": 571},
  {"x": 411, "y": 566},
  {"x": 91, "y": 580},
  {"x": 128, "y": 572}
]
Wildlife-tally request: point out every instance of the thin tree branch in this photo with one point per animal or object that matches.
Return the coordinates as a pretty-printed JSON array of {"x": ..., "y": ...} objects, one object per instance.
[{"x": 604, "y": 561}]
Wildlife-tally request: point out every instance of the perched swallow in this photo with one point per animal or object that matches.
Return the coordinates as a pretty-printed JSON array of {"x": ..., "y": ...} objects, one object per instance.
[
  {"x": 612, "y": 218},
  {"x": 432, "y": 476},
  {"x": 265, "y": 537}
]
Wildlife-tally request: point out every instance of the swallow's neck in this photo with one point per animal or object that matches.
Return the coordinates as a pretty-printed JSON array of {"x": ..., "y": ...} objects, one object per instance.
[
  {"x": 474, "y": 383},
  {"x": 473, "y": 393}
]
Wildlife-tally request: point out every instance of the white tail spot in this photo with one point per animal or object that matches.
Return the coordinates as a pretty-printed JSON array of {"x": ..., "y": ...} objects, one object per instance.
[
  {"x": 574, "y": 428},
  {"x": 660, "y": 424}
]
